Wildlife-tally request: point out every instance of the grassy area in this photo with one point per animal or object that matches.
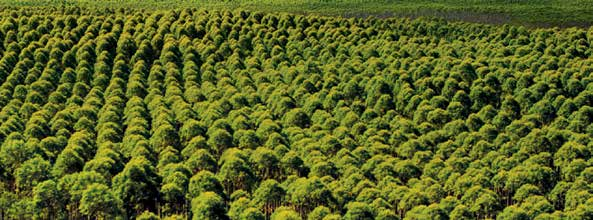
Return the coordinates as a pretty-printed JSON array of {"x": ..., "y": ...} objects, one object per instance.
[{"x": 534, "y": 13}]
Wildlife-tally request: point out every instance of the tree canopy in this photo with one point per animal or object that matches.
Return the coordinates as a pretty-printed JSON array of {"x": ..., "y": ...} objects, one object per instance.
[{"x": 206, "y": 114}]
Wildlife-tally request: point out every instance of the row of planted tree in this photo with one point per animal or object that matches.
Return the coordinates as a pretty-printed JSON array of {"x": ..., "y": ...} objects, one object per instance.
[{"x": 230, "y": 114}]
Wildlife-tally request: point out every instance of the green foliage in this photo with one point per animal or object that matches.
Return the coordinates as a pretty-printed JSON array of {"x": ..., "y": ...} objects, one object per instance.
[
  {"x": 30, "y": 173},
  {"x": 47, "y": 199},
  {"x": 285, "y": 213},
  {"x": 208, "y": 205},
  {"x": 206, "y": 114},
  {"x": 146, "y": 215},
  {"x": 98, "y": 200},
  {"x": 358, "y": 210},
  {"x": 204, "y": 181}
]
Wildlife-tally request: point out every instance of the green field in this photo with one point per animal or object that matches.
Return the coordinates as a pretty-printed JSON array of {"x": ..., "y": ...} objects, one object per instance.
[{"x": 532, "y": 13}]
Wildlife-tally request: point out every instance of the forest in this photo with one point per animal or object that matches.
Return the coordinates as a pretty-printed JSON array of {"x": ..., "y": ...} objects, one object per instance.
[{"x": 232, "y": 114}]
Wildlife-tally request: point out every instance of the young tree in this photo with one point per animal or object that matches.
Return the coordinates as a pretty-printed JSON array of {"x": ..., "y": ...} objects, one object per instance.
[
  {"x": 209, "y": 205},
  {"x": 137, "y": 186},
  {"x": 47, "y": 199},
  {"x": 99, "y": 201},
  {"x": 285, "y": 213},
  {"x": 204, "y": 181},
  {"x": 30, "y": 173},
  {"x": 268, "y": 196},
  {"x": 358, "y": 210}
]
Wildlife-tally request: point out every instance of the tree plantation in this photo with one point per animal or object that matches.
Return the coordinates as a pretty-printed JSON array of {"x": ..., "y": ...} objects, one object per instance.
[{"x": 206, "y": 114}]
